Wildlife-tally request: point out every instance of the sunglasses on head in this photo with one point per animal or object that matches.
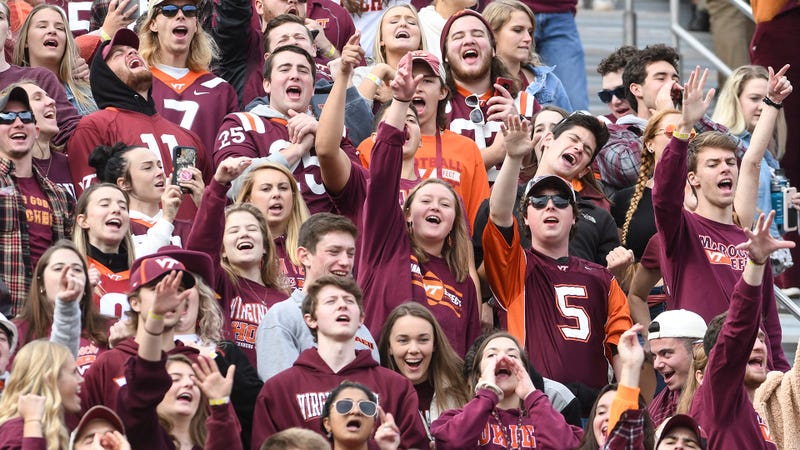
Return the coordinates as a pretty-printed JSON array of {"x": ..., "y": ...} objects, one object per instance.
[
  {"x": 172, "y": 10},
  {"x": 607, "y": 94},
  {"x": 669, "y": 129},
  {"x": 540, "y": 201},
  {"x": 9, "y": 117},
  {"x": 366, "y": 407},
  {"x": 474, "y": 102}
]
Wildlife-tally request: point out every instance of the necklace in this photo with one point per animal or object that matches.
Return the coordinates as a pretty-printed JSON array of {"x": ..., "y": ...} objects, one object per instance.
[
  {"x": 505, "y": 431},
  {"x": 43, "y": 154}
]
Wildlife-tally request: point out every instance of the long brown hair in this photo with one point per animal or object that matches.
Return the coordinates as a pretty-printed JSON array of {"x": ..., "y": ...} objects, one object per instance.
[
  {"x": 197, "y": 426},
  {"x": 38, "y": 310},
  {"x": 457, "y": 245},
  {"x": 271, "y": 275},
  {"x": 445, "y": 370},
  {"x": 81, "y": 235}
]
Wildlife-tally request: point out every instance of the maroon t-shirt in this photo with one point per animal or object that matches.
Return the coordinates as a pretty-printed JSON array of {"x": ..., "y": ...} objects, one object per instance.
[
  {"x": 247, "y": 134},
  {"x": 39, "y": 216},
  {"x": 56, "y": 169},
  {"x": 389, "y": 272},
  {"x": 295, "y": 275},
  {"x": 334, "y": 20},
  {"x": 88, "y": 351}
]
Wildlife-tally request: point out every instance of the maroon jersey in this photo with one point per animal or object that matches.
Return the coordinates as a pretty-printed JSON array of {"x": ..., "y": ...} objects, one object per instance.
[
  {"x": 295, "y": 275},
  {"x": 334, "y": 20},
  {"x": 721, "y": 404},
  {"x": 699, "y": 261},
  {"x": 112, "y": 125},
  {"x": 56, "y": 169},
  {"x": 295, "y": 397},
  {"x": 247, "y": 134},
  {"x": 111, "y": 292},
  {"x": 567, "y": 312},
  {"x": 389, "y": 272},
  {"x": 198, "y": 101},
  {"x": 244, "y": 302}
]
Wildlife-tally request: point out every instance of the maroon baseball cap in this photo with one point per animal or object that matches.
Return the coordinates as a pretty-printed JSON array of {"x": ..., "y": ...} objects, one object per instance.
[
  {"x": 459, "y": 15},
  {"x": 151, "y": 268},
  {"x": 423, "y": 57},
  {"x": 683, "y": 421},
  {"x": 98, "y": 412},
  {"x": 123, "y": 36}
]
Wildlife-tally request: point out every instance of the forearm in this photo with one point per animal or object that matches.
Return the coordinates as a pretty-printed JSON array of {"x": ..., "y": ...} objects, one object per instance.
[
  {"x": 331, "y": 121},
  {"x": 66, "y": 328},
  {"x": 501, "y": 200},
  {"x": 746, "y": 197},
  {"x": 494, "y": 154}
]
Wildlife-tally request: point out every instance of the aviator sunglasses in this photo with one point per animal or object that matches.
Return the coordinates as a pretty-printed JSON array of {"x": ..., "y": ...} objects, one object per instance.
[
  {"x": 172, "y": 10},
  {"x": 540, "y": 201},
  {"x": 474, "y": 102},
  {"x": 9, "y": 117},
  {"x": 366, "y": 407},
  {"x": 606, "y": 94}
]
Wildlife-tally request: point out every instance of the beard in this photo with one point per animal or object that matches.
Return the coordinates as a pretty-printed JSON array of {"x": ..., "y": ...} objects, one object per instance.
[
  {"x": 464, "y": 74},
  {"x": 141, "y": 80}
]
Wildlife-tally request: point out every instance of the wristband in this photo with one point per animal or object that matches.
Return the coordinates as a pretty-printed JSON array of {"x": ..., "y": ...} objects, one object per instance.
[
  {"x": 219, "y": 401},
  {"x": 152, "y": 315},
  {"x": 32, "y": 420},
  {"x": 490, "y": 386},
  {"x": 402, "y": 100},
  {"x": 682, "y": 136},
  {"x": 769, "y": 102},
  {"x": 151, "y": 333},
  {"x": 104, "y": 36},
  {"x": 757, "y": 264},
  {"x": 332, "y": 51},
  {"x": 374, "y": 78}
]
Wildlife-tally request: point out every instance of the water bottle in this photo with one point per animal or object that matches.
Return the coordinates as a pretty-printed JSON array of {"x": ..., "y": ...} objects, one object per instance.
[{"x": 776, "y": 195}]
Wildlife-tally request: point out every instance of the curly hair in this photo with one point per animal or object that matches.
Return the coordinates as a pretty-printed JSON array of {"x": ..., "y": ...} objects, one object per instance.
[
  {"x": 617, "y": 60},
  {"x": 636, "y": 69}
]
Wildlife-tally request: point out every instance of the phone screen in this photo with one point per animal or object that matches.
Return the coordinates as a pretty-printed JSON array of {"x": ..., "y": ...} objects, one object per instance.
[
  {"x": 182, "y": 159},
  {"x": 790, "y": 214}
]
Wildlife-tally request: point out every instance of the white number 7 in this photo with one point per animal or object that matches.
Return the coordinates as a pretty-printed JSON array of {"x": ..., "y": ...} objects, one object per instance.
[{"x": 582, "y": 329}]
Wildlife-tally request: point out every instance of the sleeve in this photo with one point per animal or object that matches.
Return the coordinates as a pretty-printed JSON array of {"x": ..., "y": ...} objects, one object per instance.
[
  {"x": 668, "y": 185},
  {"x": 93, "y": 388},
  {"x": 276, "y": 346},
  {"x": 619, "y": 160},
  {"x": 263, "y": 425},
  {"x": 223, "y": 429},
  {"x": 32, "y": 443},
  {"x": 478, "y": 188},
  {"x": 626, "y": 398},
  {"x": 461, "y": 428},
  {"x": 86, "y": 137},
  {"x": 505, "y": 264},
  {"x": 561, "y": 98},
  {"x": 628, "y": 434},
  {"x": 147, "y": 383},
  {"x": 559, "y": 432},
  {"x": 209, "y": 225},
  {"x": 66, "y": 328},
  {"x": 358, "y": 116},
  {"x": 619, "y": 316},
  {"x": 234, "y": 137},
  {"x": 158, "y": 236},
  {"x": 412, "y": 429},
  {"x": 232, "y": 28},
  {"x": 772, "y": 326},
  {"x": 478, "y": 228},
  {"x": 246, "y": 385}
]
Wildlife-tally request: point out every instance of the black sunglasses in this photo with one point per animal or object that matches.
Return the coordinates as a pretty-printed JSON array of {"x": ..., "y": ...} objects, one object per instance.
[
  {"x": 367, "y": 408},
  {"x": 540, "y": 201},
  {"x": 172, "y": 10},
  {"x": 9, "y": 117},
  {"x": 606, "y": 94}
]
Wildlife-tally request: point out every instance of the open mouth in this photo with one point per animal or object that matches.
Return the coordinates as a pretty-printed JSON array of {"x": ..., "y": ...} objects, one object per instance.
[
  {"x": 52, "y": 43},
  {"x": 757, "y": 362},
  {"x": 19, "y": 136},
  {"x": 413, "y": 363},
  {"x": 114, "y": 223},
  {"x": 433, "y": 219},
  {"x": 185, "y": 397},
  {"x": 293, "y": 92},
  {"x": 135, "y": 63},
  {"x": 246, "y": 245},
  {"x": 419, "y": 104},
  {"x": 726, "y": 185},
  {"x": 49, "y": 114},
  {"x": 470, "y": 56},
  {"x": 354, "y": 425},
  {"x": 180, "y": 31},
  {"x": 402, "y": 34},
  {"x": 160, "y": 184},
  {"x": 343, "y": 318},
  {"x": 569, "y": 158},
  {"x": 552, "y": 220},
  {"x": 340, "y": 273},
  {"x": 292, "y": 11},
  {"x": 276, "y": 208},
  {"x": 668, "y": 376}
]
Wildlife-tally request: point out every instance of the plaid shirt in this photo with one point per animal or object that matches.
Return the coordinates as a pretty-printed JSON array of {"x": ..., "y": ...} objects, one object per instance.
[
  {"x": 628, "y": 434},
  {"x": 15, "y": 253},
  {"x": 619, "y": 160}
]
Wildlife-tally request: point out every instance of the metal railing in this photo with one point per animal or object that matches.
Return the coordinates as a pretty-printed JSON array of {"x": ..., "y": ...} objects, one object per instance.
[{"x": 787, "y": 303}]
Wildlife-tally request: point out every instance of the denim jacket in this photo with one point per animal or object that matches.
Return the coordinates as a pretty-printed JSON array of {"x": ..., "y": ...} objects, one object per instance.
[{"x": 547, "y": 87}]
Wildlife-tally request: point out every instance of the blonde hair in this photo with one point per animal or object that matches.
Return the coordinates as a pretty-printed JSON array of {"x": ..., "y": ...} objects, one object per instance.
[
  {"x": 499, "y": 12},
  {"x": 378, "y": 51},
  {"x": 645, "y": 170},
  {"x": 457, "y": 245},
  {"x": 728, "y": 111},
  {"x": 36, "y": 370},
  {"x": 80, "y": 88},
  {"x": 209, "y": 315},
  {"x": 271, "y": 275},
  {"x": 699, "y": 362},
  {"x": 202, "y": 49},
  {"x": 80, "y": 235},
  {"x": 299, "y": 212}
]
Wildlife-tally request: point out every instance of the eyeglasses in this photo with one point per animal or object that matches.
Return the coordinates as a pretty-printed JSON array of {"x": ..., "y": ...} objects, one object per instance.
[
  {"x": 9, "y": 117},
  {"x": 172, "y": 10},
  {"x": 606, "y": 94},
  {"x": 540, "y": 201},
  {"x": 366, "y": 407},
  {"x": 474, "y": 102},
  {"x": 669, "y": 129}
]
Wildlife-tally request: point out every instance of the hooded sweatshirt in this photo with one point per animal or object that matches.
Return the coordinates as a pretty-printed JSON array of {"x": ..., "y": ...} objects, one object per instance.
[
  {"x": 296, "y": 396},
  {"x": 125, "y": 116}
]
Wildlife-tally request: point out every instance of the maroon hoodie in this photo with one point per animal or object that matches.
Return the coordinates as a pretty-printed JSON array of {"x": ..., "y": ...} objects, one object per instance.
[
  {"x": 106, "y": 376},
  {"x": 296, "y": 396}
]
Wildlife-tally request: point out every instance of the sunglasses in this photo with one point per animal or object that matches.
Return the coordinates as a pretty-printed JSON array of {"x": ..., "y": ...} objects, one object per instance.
[
  {"x": 366, "y": 407},
  {"x": 606, "y": 94},
  {"x": 669, "y": 129},
  {"x": 172, "y": 10},
  {"x": 9, "y": 117},
  {"x": 474, "y": 102},
  {"x": 540, "y": 201}
]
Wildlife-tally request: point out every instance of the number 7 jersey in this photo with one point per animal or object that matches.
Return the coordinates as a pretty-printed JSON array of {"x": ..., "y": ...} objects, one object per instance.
[{"x": 567, "y": 312}]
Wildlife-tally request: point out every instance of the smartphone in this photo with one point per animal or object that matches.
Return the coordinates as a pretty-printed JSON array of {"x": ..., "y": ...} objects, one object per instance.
[
  {"x": 790, "y": 214},
  {"x": 131, "y": 10},
  {"x": 677, "y": 95},
  {"x": 183, "y": 158},
  {"x": 505, "y": 82}
]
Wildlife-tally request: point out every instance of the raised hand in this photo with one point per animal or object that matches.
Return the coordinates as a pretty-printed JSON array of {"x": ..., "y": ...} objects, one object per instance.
[
  {"x": 695, "y": 104},
  {"x": 388, "y": 434},
  {"x": 618, "y": 260},
  {"x": 404, "y": 84},
  {"x": 500, "y": 106},
  {"x": 779, "y": 87},
  {"x": 171, "y": 201},
  {"x": 760, "y": 242},
  {"x": 167, "y": 296},
  {"x": 517, "y": 136},
  {"x": 231, "y": 168},
  {"x": 117, "y": 17},
  {"x": 524, "y": 383},
  {"x": 352, "y": 54},
  {"x": 70, "y": 285},
  {"x": 630, "y": 350},
  {"x": 210, "y": 380},
  {"x": 195, "y": 185},
  {"x": 31, "y": 407},
  {"x": 110, "y": 440}
]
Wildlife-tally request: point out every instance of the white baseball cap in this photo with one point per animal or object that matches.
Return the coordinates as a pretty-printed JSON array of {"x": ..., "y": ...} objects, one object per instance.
[
  {"x": 678, "y": 323},
  {"x": 11, "y": 330}
]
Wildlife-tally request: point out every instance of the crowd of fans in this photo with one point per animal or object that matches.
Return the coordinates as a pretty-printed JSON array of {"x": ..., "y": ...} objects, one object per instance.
[{"x": 291, "y": 224}]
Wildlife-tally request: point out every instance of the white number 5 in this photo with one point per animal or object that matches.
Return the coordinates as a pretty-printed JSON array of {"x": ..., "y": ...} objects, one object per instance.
[{"x": 582, "y": 329}]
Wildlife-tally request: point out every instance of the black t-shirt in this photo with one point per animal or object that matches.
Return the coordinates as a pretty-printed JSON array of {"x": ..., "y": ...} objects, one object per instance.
[{"x": 643, "y": 222}]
